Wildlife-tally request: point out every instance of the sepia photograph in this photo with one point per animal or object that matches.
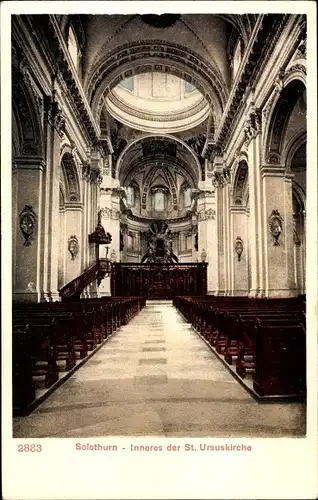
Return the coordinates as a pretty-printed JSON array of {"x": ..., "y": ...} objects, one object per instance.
[{"x": 159, "y": 230}]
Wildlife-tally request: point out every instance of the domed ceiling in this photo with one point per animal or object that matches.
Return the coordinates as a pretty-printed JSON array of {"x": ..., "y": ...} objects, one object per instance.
[{"x": 157, "y": 102}]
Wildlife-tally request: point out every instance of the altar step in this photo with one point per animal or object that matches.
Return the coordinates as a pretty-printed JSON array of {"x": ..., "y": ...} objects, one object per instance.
[{"x": 158, "y": 302}]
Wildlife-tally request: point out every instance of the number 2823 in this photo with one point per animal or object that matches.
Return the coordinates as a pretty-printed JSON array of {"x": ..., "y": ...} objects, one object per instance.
[{"x": 29, "y": 447}]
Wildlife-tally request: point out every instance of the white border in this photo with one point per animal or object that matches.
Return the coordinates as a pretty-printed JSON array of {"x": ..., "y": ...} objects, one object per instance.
[{"x": 276, "y": 468}]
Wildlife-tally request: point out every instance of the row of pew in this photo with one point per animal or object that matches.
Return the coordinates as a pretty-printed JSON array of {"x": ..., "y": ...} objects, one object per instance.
[
  {"x": 264, "y": 339},
  {"x": 48, "y": 338}
]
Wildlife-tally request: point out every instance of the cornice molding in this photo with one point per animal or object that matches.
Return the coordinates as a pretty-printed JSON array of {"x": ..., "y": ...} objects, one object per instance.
[
  {"x": 257, "y": 54},
  {"x": 48, "y": 28}
]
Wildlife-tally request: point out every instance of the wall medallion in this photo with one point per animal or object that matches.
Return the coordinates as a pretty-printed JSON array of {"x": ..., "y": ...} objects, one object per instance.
[
  {"x": 27, "y": 224},
  {"x": 203, "y": 255},
  {"x": 73, "y": 246},
  {"x": 275, "y": 222},
  {"x": 239, "y": 247}
]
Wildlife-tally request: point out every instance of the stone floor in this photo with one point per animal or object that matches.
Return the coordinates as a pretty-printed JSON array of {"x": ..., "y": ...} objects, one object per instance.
[{"x": 156, "y": 377}]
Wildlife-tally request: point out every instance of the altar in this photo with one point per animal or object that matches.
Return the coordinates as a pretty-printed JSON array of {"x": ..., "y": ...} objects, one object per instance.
[{"x": 158, "y": 281}]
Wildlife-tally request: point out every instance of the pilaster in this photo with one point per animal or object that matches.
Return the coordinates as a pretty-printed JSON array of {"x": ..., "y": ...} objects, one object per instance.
[
  {"x": 252, "y": 132},
  {"x": 54, "y": 125},
  {"x": 239, "y": 251},
  {"x": 207, "y": 236},
  {"x": 278, "y": 232},
  {"x": 27, "y": 228}
]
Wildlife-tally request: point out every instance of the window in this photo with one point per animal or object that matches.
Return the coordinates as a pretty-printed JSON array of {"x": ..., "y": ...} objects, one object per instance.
[
  {"x": 159, "y": 201},
  {"x": 130, "y": 196},
  {"x": 72, "y": 47},
  {"x": 187, "y": 197},
  {"x": 128, "y": 83},
  {"x": 188, "y": 87}
]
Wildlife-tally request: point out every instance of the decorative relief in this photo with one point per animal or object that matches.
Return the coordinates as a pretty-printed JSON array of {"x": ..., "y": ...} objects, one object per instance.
[
  {"x": 73, "y": 246},
  {"x": 54, "y": 114},
  {"x": 252, "y": 125},
  {"x": 29, "y": 149},
  {"x": 95, "y": 176},
  {"x": 27, "y": 224},
  {"x": 218, "y": 179},
  {"x": 239, "y": 247},
  {"x": 302, "y": 49},
  {"x": 206, "y": 215},
  {"x": 203, "y": 255},
  {"x": 85, "y": 171},
  {"x": 275, "y": 222},
  {"x": 273, "y": 158},
  {"x": 227, "y": 174},
  {"x": 296, "y": 67},
  {"x": 107, "y": 190},
  {"x": 106, "y": 166}
]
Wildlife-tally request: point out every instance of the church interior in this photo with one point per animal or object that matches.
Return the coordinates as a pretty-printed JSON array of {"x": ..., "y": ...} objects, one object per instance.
[{"x": 159, "y": 225}]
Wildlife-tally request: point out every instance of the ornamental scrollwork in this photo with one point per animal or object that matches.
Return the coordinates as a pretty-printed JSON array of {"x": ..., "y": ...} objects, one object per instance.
[
  {"x": 253, "y": 125},
  {"x": 86, "y": 171},
  {"x": 27, "y": 224},
  {"x": 95, "y": 176},
  {"x": 54, "y": 114},
  {"x": 73, "y": 246},
  {"x": 218, "y": 179},
  {"x": 206, "y": 215},
  {"x": 275, "y": 222},
  {"x": 105, "y": 212},
  {"x": 239, "y": 247}
]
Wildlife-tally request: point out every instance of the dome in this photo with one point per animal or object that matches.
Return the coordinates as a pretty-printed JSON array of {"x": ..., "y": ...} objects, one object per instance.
[{"x": 157, "y": 102}]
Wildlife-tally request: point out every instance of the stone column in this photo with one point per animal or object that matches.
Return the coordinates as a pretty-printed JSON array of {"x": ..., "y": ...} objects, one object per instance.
[
  {"x": 208, "y": 237},
  {"x": 87, "y": 226},
  {"x": 278, "y": 232},
  {"x": 28, "y": 217},
  {"x": 123, "y": 230},
  {"x": 54, "y": 125},
  {"x": 72, "y": 216},
  {"x": 116, "y": 196}
]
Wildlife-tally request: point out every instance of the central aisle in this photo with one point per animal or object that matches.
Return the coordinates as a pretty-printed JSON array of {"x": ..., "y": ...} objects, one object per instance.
[{"x": 155, "y": 376}]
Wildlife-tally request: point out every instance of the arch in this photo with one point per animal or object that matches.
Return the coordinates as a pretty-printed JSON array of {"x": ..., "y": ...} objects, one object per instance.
[
  {"x": 157, "y": 55},
  {"x": 292, "y": 147},
  {"x": 172, "y": 138},
  {"x": 280, "y": 108},
  {"x": 300, "y": 195},
  {"x": 71, "y": 178},
  {"x": 62, "y": 195},
  {"x": 240, "y": 182},
  {"x": 27, "y": 128}
]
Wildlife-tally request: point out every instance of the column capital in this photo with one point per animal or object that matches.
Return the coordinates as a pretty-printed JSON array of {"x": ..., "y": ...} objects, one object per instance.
[
  {"x": 208, "y": 214},
  {"x": 218, "y": 179},
  {"x": 54, "y": 114},
  {"x": 253, "y": 125}
]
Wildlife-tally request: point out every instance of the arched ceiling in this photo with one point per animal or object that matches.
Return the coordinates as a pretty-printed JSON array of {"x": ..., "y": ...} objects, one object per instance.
[
  {"x": 192, "y": 47},
  {"x": 156, "y": 152},
  {"x": 157, "y": 103}
]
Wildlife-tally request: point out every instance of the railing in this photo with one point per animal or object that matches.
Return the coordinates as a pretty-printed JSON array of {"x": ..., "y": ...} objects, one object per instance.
[
  {"x": 158, "y": 281},
  {"x": 74, "y": 288}
]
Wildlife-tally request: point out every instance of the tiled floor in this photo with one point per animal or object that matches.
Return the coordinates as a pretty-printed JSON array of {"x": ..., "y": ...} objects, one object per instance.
[{"x": 157, "y": 377}]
